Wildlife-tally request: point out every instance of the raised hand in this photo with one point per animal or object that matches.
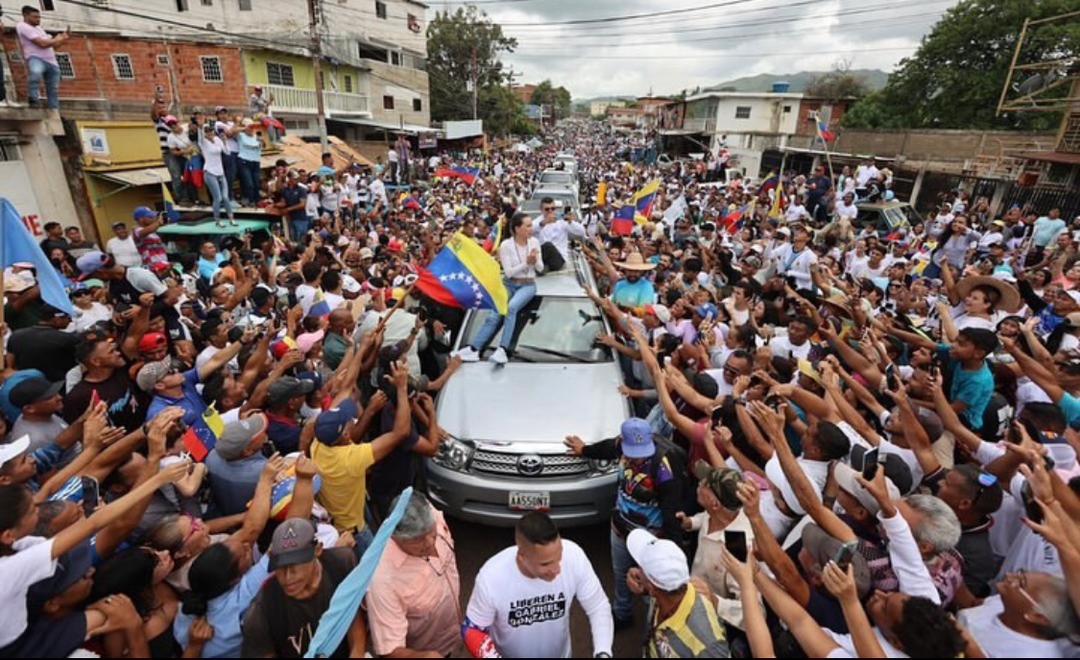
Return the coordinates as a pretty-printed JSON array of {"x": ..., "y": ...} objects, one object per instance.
[{"x": 575, "y": 445}]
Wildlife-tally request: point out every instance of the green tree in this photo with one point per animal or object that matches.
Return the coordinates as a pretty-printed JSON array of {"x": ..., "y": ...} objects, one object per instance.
[
  {"x": 837, "y": 84},
  {"x": 463, "y": 45},
  {"x": 956, "y": 76},
  {"x": 556, "y": 97}
]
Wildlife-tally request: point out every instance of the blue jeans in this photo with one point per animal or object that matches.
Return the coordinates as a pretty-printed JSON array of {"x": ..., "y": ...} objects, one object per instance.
[
  {"x": 38, "y": 69},
  {"x": 520, "y": 295},
  {"x": 621, "y": 563},
  {"x": 216, "y": 184},
  {"x": 228, "y": 162},
  {"x": 250, "y": 176},
  {"x": 363, "y": 540},
  {"x": 297, "y": 228}
]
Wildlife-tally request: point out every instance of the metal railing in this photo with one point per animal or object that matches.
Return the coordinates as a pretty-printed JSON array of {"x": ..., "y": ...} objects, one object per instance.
[{"x": 300, "y": 100}]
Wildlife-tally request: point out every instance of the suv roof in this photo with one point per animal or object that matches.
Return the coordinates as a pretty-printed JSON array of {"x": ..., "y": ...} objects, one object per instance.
[{"x": 569, "y": 281}]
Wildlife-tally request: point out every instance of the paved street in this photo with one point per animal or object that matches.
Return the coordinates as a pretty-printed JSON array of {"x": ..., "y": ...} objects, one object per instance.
[{"x": 476, "y": 543}]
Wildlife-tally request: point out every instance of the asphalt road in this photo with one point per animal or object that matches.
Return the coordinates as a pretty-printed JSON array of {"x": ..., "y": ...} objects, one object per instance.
[{"x": 475, "y": 544}]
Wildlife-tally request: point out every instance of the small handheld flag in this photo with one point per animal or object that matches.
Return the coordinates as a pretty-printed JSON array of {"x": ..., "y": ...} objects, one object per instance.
[
  {"x": 202, "y": 436},
  {"x": 623, "y": 222},
  {"x": 320, "y": 307},
  {"x": 171, "y": 214}
]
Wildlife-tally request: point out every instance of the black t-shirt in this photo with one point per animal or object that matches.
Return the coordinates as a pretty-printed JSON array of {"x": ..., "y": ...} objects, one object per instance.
[
  {"x": 126, "y": 402},
  {"x": 397, "y": 471},
  {"x": 50, "y": 350},
  {"x": 279, "y": 626},
  {"x": 123, "y": 291}
]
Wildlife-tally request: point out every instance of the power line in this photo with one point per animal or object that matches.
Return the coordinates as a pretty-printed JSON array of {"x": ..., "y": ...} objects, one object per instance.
[
  {"x": 753, "y": 23},
  {"x": 726, "y": 55},
  {"x": 630, "y": 17},
  {"x": 743, "y": 36}
]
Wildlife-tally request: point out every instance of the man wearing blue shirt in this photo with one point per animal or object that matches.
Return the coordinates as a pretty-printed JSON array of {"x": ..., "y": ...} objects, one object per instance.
[
  {"x": 632, "y": 290},
  {"x": 172, "y": 387},
  {"x": 235, "y": 464}
]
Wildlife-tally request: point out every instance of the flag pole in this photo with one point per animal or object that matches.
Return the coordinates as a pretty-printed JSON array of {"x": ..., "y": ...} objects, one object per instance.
[{"x": 833, "y": 178}]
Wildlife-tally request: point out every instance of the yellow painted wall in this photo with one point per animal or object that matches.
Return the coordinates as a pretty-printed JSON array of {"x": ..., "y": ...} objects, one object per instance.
[
  {"x": 303, "y": 72},
  {"x": 119, "y": 206}
]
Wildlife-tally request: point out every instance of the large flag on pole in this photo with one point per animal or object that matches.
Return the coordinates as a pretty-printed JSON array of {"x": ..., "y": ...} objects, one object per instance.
[
  {"x": 643, "y": 201},
  {"x": 18, "y": 245},
  {"x": 464, "y": 275},
  {"x": 823, "y": 131}
]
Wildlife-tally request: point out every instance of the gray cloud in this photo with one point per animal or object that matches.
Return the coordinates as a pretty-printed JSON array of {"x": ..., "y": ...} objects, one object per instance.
[{"x": 590, "y": 64}]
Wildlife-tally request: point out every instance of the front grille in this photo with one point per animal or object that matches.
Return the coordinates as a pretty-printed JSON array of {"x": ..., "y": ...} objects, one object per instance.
[{"x": 555, "y": 465}]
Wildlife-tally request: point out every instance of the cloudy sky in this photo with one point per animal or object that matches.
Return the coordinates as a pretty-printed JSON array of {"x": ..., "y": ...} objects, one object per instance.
[{"x": 720, "y": 41}]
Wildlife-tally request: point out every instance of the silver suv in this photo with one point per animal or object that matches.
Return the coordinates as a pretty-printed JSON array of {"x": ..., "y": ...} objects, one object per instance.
[{"x": 507, "y": 424}]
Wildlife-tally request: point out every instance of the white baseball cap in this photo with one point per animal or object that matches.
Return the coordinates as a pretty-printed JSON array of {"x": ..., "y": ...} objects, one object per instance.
[
  {"x": 662, "y": 561},
  {"x": 13, "y": 449}
]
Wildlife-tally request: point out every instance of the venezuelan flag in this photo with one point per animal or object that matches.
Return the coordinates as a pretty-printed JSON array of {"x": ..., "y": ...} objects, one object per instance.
[
  {"x": 777, "y": 210},
  {"x": 320, "y": 307},
  {"x": 281, "y": 495},
  {"x": 202, "y": 436},
  {"x": 623, "y": 222},
  {"x": 493, "y": 241},
  {"x": 643, "y": 201},
  {"x": 171, "y": 214},
  {"x": 823, "y": 130},
  {"x": 466, "y": 174},
  {"x": 463, "y": 275}
]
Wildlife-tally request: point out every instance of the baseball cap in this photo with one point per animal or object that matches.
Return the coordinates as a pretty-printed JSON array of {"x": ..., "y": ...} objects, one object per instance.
[
  {"x": 48, "y": 312},
  {"x": 287, "y": 388},
  {"x": 845, "y": 477},
  {"x": 152, "y": 341},
  {"x": 662, "y": 313},
  {"x": 152, "y": 373},
  {"x": 823, "y": 548},
  {"x": 220, "y": 108},
  {"x": 637, "y": 439},
  {"x": 724, "y": 483},
  {"x": 662, "y": 561},
  {"x": 18, "y": 282},
  {"x": 752, "y": 260},
  {"x": 330, "y": 424},
  {"x": 169, "y": 119},
  {"x": 293, "y": 543},
  {"x": 279, "y": 348},
  {"x": 307, "y": 340},
  {"x": 366, "y": 253},
  {"x": 349, "y": 284},
  {"x": 707, "y": 311},
  {"x": 143, "y": 213},
  {"x": 33, "y": 390},
  {"x": 236, "y": 436},
  {"x": 13, "y": 449}
]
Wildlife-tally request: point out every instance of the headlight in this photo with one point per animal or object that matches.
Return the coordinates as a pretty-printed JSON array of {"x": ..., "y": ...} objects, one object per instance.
[
  {"x": 454, "y": 454},
  {"x": 602, "y": 465}
]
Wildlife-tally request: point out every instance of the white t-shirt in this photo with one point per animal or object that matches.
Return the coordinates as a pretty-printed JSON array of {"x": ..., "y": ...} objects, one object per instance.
[
  {"x": 124, "y": 251},
  {"x": 998, "y": 641},
  {"x": 32, "y": 562},
  {"x": 847, "y": 646},
  {"x": 782, "y": 347},
  {"x": 530, "y": 617},
  {"x": 305, "y": 295}
]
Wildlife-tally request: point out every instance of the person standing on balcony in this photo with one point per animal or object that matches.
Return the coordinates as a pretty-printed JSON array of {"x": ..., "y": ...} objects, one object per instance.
[
  {"x": 259, "y": 104},
  {"x": 37, "y": 48},
  {"x": 214, "y": 151}
]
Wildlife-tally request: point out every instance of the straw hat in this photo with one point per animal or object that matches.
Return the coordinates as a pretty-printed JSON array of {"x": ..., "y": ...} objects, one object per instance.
[
  {"x": 839, "y": 302},
  {"x": 634, "y": 261},
  {"x": 1010, "y": 296}
]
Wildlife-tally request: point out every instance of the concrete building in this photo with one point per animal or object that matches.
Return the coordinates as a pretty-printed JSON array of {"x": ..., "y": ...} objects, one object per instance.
[
  {"x": 32, "y": 174},
  {"x": 599, "y": 108},
  {"x": 749, "y": 123}
]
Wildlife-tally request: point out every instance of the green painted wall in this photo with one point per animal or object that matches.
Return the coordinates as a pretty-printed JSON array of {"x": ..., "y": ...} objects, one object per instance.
[{"x": 303, "y": 73}]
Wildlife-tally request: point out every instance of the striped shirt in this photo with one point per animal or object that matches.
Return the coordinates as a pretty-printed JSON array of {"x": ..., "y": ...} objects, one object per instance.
[{"x": 693, "y": 631}]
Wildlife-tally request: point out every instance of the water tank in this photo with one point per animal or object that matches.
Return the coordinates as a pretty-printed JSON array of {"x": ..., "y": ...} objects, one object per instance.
[{"x": 781, "y": 87}]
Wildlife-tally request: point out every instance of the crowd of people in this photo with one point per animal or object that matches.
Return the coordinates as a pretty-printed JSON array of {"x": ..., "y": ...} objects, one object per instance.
[{"x": 842, "y": 444}]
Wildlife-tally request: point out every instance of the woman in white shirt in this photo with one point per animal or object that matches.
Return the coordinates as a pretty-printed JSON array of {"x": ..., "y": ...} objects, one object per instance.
[
  {"x": 521, "y": 263},
  {"x": 214, "y": 174}
]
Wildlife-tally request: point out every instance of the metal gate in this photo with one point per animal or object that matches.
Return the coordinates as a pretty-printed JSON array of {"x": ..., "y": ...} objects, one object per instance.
[{"x": 1043, "y": 198}]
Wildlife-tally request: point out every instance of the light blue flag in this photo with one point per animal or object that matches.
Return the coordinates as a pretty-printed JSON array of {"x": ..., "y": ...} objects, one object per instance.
[
  {"x": 17, "y": 244},
  {"x": 335, "y": 622}
]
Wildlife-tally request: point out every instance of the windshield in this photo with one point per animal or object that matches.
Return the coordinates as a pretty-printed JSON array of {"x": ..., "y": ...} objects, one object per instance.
[
  {"x": 551, "y": 329},
  {"x": 896, "y": 217},
  {"x": 557, "y": 177}
]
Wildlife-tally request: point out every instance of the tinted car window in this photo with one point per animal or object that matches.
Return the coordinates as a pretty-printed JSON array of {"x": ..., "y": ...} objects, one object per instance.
[{"x": 551, "y": 329}]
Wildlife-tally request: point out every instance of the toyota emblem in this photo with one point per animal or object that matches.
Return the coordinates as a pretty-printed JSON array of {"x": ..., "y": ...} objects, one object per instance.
[{"x": 530, "y": 465}]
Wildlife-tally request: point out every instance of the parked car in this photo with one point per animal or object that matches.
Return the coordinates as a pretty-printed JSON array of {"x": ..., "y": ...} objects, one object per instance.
[
  {"x": 558, "y": 179},
  {"x": 505, "y": 454},
  {"x": 886, "y": 217}
]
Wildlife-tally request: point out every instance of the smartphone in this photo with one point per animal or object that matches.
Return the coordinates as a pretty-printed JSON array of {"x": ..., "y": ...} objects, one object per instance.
[
  {"x": 736, "y": 544},
  {"x": 891, "y": 379},
  {"x": 1032, "y": 509},
  {"x": 91, "y": 496},
  {"x": 774, "y": 401},
  {"x": 870, "y": 464},
  {"x": 844, "y": 555}
]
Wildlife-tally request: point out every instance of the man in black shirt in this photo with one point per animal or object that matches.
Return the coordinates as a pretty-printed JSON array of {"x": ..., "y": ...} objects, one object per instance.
[
  {"x": 54, "y": 238},
  {"x": 286, "y": 613},
  {"x": 45, "y": 346},
  {"x": 106, "y": 374}
]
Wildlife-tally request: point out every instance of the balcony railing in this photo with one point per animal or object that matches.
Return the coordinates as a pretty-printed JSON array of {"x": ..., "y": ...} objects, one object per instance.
[
  {"x": 299, "y": 100},
  {"x": 700, "y": 125}
]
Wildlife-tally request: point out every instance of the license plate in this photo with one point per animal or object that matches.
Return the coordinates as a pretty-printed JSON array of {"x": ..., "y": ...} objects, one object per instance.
[{"x": 520, "y": 501}]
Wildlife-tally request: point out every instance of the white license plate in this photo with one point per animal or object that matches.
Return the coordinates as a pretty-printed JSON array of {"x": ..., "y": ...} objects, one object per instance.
[{"x": 521, "y": 501}]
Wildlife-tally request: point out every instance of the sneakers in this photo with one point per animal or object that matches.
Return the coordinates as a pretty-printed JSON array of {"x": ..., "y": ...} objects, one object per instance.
[
  {"x": 499, "y": 356},
  {"x": 468, "y": 354},
  {"x": 233, "y": 222}
]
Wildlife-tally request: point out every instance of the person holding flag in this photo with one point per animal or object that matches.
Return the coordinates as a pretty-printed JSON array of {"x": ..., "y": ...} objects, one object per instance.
[{"x": 521, "y": 263}]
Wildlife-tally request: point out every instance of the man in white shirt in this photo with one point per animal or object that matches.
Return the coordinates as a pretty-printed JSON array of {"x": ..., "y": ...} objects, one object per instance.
[
  {"x": 557, "y": 230},
  {"x": 122, "y": 247},
  {"x": 875, "y": 266},
  {"x": 796, "y": 211},
  {"x": 378, "y": 191},
  {"x": 521, "y": 600}
]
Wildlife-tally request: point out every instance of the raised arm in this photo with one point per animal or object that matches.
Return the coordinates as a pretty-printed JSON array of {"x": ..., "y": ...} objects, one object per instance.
[
  {"x": 768, "y": 548},
  {"x": 387, "y": 442},
  {"x": 811, "y": 637},
  {"x": 258, "y": 512}
]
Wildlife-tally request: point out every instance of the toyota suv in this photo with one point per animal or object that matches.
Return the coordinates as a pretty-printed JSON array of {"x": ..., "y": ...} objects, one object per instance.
[{"x": 505, "y": 454}]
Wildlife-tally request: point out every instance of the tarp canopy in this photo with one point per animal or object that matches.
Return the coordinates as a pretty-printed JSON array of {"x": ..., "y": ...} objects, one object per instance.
[
  {"x": 211, "y": 228},
  {"x": 308, "y": 155},
  {"x": 146, "y": 176}
]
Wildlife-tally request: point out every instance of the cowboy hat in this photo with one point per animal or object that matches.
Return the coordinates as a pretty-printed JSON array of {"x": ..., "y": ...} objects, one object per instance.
[
  {"x": 634, "y": 261},
  {"x": 1010, "y": 296},
  {"x": 840, "y": 303}
]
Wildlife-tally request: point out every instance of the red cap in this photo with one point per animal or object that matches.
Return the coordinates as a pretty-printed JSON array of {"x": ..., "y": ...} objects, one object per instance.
[
  {"x": 395, "y": 245},
  {"x": 152, "y": 341}
]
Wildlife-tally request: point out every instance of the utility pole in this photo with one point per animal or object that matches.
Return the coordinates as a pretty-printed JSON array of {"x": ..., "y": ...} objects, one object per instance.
[
  {"x": 474, "y": 81},
  {"x": 316, "y": 63}
]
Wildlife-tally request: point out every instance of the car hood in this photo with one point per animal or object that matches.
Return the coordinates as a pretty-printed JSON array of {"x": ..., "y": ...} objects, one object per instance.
[{"x": 533, "y": 403}]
